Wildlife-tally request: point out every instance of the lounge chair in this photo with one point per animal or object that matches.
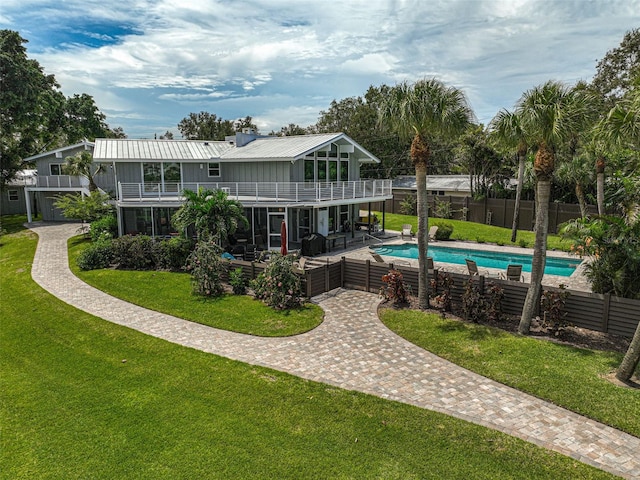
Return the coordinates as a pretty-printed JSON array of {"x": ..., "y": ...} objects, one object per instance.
[
  {"x": 432, "y": 233},
  {"x": 406, "y": 230},
  {"x": 472, "y": 266},
  {"x": 300, "y": 264},
  {"x": 400, "y": 263},
  {"x": 513, "y": 273}
]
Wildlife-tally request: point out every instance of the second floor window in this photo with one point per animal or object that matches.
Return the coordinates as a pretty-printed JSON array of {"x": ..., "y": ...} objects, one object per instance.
[
  {"x": 56, "y": 169},
  {"x": 214, "y": 169}
]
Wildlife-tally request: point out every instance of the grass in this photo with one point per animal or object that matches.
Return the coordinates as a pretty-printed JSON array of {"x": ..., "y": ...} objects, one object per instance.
[
  {"x": 476, "y": 232},
  {"x": 84, "y": 398},
  {"x": 171, "y": 293},
  {"x": 573, "y": 378}
]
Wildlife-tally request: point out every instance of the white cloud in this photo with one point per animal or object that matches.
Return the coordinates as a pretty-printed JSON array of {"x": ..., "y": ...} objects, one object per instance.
[{"x": 283, "y": 61}]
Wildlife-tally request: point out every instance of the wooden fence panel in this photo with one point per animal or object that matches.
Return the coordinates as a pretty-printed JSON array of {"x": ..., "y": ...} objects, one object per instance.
[
  {"x": 624, "y": 315},
  {"x": 585, "y": 310}
]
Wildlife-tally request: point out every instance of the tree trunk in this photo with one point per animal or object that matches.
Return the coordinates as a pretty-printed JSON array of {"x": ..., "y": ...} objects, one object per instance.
[
  {"x": 600, "y": 184},
  {"x": 516, "y": 208},
  {"x": 543, "y": 193},
  {"x": 581, "y": 200},
  {"x": 423, "y": 237},
  {"x": 600, "y": 192},
  {"x": 631, "y": 358}
]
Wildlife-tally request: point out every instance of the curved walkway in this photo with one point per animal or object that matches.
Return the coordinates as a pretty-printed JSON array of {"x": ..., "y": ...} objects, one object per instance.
[{"x": 352, "y": 349}]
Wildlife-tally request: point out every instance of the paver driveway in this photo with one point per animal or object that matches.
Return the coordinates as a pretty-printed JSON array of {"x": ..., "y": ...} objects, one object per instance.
[{"x": 352, "y": 349}]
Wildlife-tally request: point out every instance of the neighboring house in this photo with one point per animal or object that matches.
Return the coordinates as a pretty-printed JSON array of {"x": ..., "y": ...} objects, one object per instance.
[
  {"x": 454, "y": 185},
  {"x": 51, "y": 181},
  {"x": 312, "y": 182},
  {"x": 14, "y": 200}
]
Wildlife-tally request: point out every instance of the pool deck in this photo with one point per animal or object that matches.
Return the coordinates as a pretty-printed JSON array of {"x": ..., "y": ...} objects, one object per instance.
[{"x": 577, "y": 281}]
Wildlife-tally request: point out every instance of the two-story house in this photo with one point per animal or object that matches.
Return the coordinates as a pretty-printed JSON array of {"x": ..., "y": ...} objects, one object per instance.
[{"x": 311, "y": 182}]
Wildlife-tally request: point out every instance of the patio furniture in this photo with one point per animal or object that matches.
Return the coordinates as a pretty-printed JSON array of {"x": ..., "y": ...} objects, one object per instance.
[
  {"x": 513, "y": 273},
  {"x": 432, "y": 233},
  {"x": 406, "y": 230},
  {"x": 379, "y": 259},
  {"x": 250, "y": 252},
  {"x": 472, "y": 266}
]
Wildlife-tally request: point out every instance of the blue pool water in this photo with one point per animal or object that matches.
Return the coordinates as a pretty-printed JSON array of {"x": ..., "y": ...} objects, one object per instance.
[{"x": 563, "y": 267}]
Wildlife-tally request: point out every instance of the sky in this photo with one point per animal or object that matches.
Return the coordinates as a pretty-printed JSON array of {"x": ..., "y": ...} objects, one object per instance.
[{"x": 148, "y": 64}]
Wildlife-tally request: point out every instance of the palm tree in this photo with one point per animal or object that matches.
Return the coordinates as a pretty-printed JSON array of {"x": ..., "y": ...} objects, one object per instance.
[
  {"x": 620, "y": 128},
  {"x": 81, "y": 165},
  {"x": 507, "y": 127},
  {"x": 551, "y": 114},
  {"x": 423, "y": 111},
  {"x": 578, "y": 171},
  {"x": 212, "y": 214}
]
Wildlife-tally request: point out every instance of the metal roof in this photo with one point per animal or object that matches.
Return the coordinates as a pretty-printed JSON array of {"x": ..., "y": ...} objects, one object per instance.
[
  {"x": 288, "y": 148},
  {"x": 262, "y": 148},
  {"x": 86, "y": 144},
  {"x": 448, "y": 183},
  {"x": 109, "y": 149}
]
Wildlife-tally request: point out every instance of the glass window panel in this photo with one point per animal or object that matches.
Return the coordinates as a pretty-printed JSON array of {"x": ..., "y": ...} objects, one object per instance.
[
  {"x": 322, "y": 170},
  {"x": 344, "y": 171},
  {"x": 333, "y": 171},
  {"x": 333, "y": 153},
  {"x": 214, "y": 169},
  {"x": 151, "y": 172},
  {"x": 309, "y": 173},
  {"x": 172, "y": 172}
]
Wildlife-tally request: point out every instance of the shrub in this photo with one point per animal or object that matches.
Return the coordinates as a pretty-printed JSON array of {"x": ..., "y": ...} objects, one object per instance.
[
  {"x": 97, "y": 255},
  {"x": 395, "y": 289},
  {"x": 408, "y": 205},
  {"x": 237, "y": 281},
  {"x": 473, "y": 302},
  {"x": 442, "y": 209},
  {"x": 104, "y": 228},
  {"x": 134, "y": 252},
  {"x": 553, "y": 304},
  {"x": 278, "y": 286},
  {"x": 493, "y": 302},
  {"x": 207, "y": 268},
  {"x": 444, "y": 231},
  {"x": 172, "y": 254},
  {"x": 523, "y": 243},
  {"x": 440, "y": 291}
]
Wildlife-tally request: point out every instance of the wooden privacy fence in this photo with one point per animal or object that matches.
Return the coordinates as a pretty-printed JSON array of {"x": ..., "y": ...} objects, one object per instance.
[
  {"x": 602, "y": 313},
  {"x": 490, "y": 211}
]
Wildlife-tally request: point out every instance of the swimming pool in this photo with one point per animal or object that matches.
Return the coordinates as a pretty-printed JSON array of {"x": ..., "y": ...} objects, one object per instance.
[{"x": 563, "y": 267}]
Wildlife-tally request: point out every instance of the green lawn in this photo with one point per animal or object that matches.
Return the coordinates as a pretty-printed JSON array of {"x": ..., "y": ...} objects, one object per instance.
[
  {"x": 475, "y": 232},
  {"x": 171, "y": 293},
  {"x": 84, "y": 398},
  {"x": 570, "y": 377}
]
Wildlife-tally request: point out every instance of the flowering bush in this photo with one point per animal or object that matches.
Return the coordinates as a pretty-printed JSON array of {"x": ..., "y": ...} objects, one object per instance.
[
  {"x": 278, "y": 286},
  {"x": 206, "y": 267},
  {"x": 395, "y": 290}
]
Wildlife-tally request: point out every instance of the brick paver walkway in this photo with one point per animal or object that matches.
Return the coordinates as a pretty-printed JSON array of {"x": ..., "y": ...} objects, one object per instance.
[{"x": 352, "y": 349}]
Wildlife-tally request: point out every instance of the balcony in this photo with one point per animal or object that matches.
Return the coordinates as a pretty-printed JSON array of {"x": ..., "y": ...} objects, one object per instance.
[
  {"x": 262, "y": 192},
  {"x": 60, "y": 182}
]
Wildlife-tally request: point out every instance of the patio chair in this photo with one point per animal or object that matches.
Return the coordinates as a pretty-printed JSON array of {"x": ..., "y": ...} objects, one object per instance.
[
  {"x": 300, "y": 264},
  {"x": 250, "y": 253},
  {"x": 513, "y": 273},
  {"x": 400, "y": 263},
  {"x": 472, "y": 266},
  {"x": 406, "y": 230},
  {"x": 432, "y": 233}
]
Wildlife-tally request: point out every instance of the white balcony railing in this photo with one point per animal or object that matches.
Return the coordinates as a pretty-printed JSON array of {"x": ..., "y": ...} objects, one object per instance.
[
  {"x": 60, "y": 181},
  {"x": 261, "y": 191}
]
